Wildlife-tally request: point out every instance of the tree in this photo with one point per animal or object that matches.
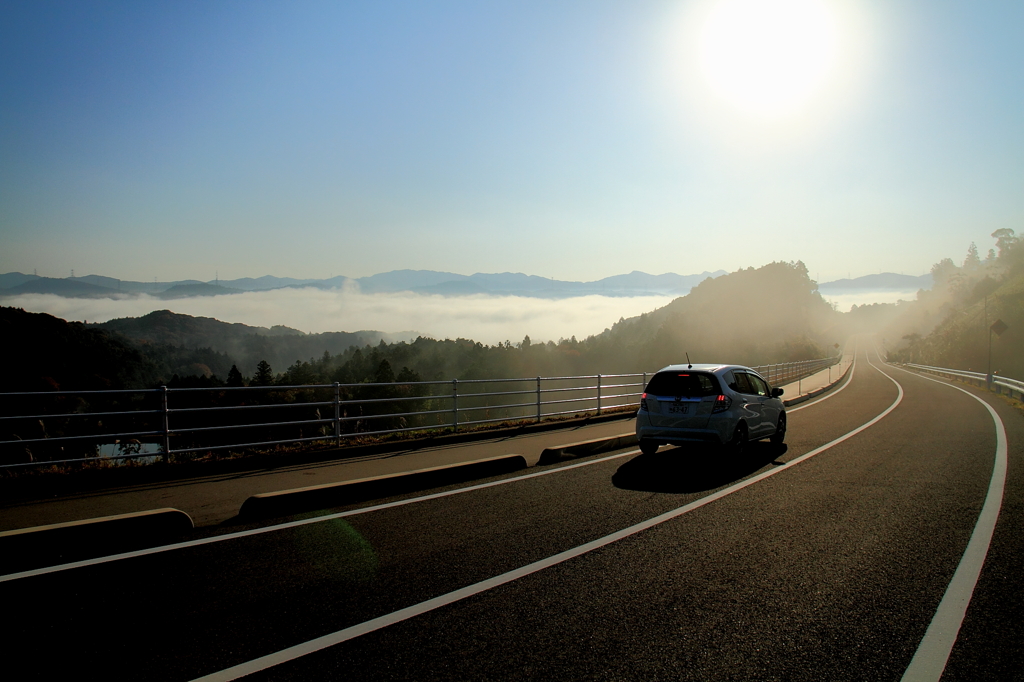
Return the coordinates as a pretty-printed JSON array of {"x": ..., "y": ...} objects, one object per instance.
[
  {"x": 407, "y": 375},
  {"x": 1005, "y": 241},
  {"x": 942, "y": 272},
  {"x": 264, "y": 375},
  {"x": 972, "y": 261},
  {"x": 235, "y": 377},
  {"x": 384, "y": 374}
]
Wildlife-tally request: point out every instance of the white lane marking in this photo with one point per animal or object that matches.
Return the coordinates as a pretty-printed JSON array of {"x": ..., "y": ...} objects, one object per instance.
[
  {"x": 293, "y": 524},
  {"x": 932, "y": 654},
  {"x": 313, "y": 645}
]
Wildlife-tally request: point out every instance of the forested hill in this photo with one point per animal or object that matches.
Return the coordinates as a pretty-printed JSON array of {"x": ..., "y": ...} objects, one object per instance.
[
  {"x": 753, "y": 316},
  {"x": 164, "y": 326},
  {"x": 46, "y": 353},
  {"x": 232, "y": 343},
  {"x": 950, "y": 327}
]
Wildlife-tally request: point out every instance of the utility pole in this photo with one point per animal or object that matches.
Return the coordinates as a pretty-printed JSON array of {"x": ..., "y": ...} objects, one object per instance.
[{"x": 988, "y": 369}]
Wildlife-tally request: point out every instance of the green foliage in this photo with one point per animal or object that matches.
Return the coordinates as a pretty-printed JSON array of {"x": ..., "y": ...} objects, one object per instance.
[
  {"x": 264, "y": 376},
  {"x": 235, "y": 377}
]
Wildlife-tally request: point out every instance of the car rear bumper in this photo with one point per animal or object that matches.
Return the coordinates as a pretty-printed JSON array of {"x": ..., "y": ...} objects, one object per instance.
[{"x": 665, "y": 436}]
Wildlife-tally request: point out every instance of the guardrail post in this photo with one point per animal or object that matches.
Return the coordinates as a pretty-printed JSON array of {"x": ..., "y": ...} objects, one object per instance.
[
  {"x": 167, "y": 427},
  {"x": 599, "y": 395},
  {"x": 455, "y": 404},
  {"x": 337, "y": 413},
  {"x": 538, "y": 400}
]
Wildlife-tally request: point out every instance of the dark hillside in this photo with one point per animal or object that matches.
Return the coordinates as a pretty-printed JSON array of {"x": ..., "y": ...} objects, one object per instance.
[
  {"x": 48, "y": 353},
  {"x": 164, "y": 326},
  {"x": 162, "y": 331},
  {"x": 68, "y": 288},
  {"x": 197, "y": 289},
  {"x": 771, "y": 314}
]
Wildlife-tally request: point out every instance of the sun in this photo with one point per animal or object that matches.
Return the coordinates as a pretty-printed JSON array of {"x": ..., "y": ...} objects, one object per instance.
[{"x": 768, "y": 58}]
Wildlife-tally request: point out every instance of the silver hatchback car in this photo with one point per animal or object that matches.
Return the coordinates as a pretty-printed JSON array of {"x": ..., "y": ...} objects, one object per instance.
[{"x": 726, "y": 405}]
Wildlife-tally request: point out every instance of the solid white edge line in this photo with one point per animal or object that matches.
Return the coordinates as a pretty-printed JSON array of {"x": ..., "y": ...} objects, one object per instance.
[
  {"x": 933, "y": 652},
  {"x": 313, "y": 645},
  {"x": 292, "y": 524}
]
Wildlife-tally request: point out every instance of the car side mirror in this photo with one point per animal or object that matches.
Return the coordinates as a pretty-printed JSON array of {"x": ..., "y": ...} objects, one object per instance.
[{"x": 776, "y": 392}]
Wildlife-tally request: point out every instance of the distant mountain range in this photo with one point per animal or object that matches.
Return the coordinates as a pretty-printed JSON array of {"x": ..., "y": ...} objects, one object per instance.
[
  {"x": 418, "y": 281},
  {"x": 425, "y": 282},
  {"x": 886, "y": 281}
]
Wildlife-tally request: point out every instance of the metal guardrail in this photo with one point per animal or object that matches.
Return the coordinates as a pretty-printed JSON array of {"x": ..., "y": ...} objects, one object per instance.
[
  {"x": 64, "y": 427},
  {"x": 1011, "y": 385},
  {"x": 785, "y": 373}
]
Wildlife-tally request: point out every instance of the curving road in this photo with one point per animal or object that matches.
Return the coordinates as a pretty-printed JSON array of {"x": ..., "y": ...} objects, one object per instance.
[{"x": 825, "y": 560}]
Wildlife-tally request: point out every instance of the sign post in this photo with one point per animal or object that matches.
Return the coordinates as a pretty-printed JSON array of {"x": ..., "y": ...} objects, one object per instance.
[{"x": 998, "y": 327}]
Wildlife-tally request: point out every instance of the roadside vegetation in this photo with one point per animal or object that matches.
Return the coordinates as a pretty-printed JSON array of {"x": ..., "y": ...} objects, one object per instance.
[{"x": 949, "y": 326}]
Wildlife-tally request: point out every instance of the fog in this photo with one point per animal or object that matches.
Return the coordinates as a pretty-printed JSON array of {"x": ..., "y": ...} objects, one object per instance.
[
  {"x": 843, "y": 302},
  {"x": 485, "y": 318}
]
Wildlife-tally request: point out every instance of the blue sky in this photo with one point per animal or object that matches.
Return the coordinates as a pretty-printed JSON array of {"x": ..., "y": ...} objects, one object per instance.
[{"x": 572, "y": 140}]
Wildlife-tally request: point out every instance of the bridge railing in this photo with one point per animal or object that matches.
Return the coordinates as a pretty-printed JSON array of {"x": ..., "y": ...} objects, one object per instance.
[
  {"x": 997, "y": 382},
  {"x": 65, "y": 427}
]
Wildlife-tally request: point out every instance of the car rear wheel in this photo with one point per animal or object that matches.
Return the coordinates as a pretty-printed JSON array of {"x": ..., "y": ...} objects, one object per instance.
[
  {"x": 648, "y": 447},
  {"x": 737, "y": 445},
  {"x": 780, "y": 431}
]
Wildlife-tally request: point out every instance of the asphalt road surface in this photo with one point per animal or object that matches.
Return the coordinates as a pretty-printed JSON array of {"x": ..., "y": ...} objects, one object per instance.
[{"x": 894, "y": 505}]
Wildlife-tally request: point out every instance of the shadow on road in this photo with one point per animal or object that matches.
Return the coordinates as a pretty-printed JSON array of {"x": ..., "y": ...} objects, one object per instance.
[{"x": 692, "y": 469}]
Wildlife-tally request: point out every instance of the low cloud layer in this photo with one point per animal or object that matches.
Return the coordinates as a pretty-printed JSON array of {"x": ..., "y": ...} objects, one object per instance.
[
  {"x": 484, "y": 318},
  {"x": 844, "y": 302}
]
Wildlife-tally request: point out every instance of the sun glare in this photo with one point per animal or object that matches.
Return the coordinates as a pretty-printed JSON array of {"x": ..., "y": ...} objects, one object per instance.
[{"x": 767, "y": 58}]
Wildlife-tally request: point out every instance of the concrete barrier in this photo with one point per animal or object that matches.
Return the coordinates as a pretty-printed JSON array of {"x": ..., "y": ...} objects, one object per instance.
[
  {"x": 815, "y": 393},
  {"x": 586, "y": 447},
  {"x": 285, "y": 502},
  {"x": 37, "y": 546}
]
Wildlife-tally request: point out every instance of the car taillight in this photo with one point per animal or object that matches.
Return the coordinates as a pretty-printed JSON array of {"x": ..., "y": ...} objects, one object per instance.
[
  {"x": 643, "y": 402},
  {"x": 722, "y": 403}
]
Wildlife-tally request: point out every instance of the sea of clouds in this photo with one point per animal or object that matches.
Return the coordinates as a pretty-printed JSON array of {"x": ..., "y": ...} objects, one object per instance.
[
  {"x": 843, "y": 302},
  {"x": 485, "y": 318}
]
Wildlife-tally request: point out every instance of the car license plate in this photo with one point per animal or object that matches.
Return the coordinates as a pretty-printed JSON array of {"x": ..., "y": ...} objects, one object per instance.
[{"x": 678, "y": 408}]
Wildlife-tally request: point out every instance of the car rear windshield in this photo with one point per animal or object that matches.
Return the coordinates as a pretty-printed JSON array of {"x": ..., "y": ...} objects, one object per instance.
[{"x": 689, "y": 384}]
